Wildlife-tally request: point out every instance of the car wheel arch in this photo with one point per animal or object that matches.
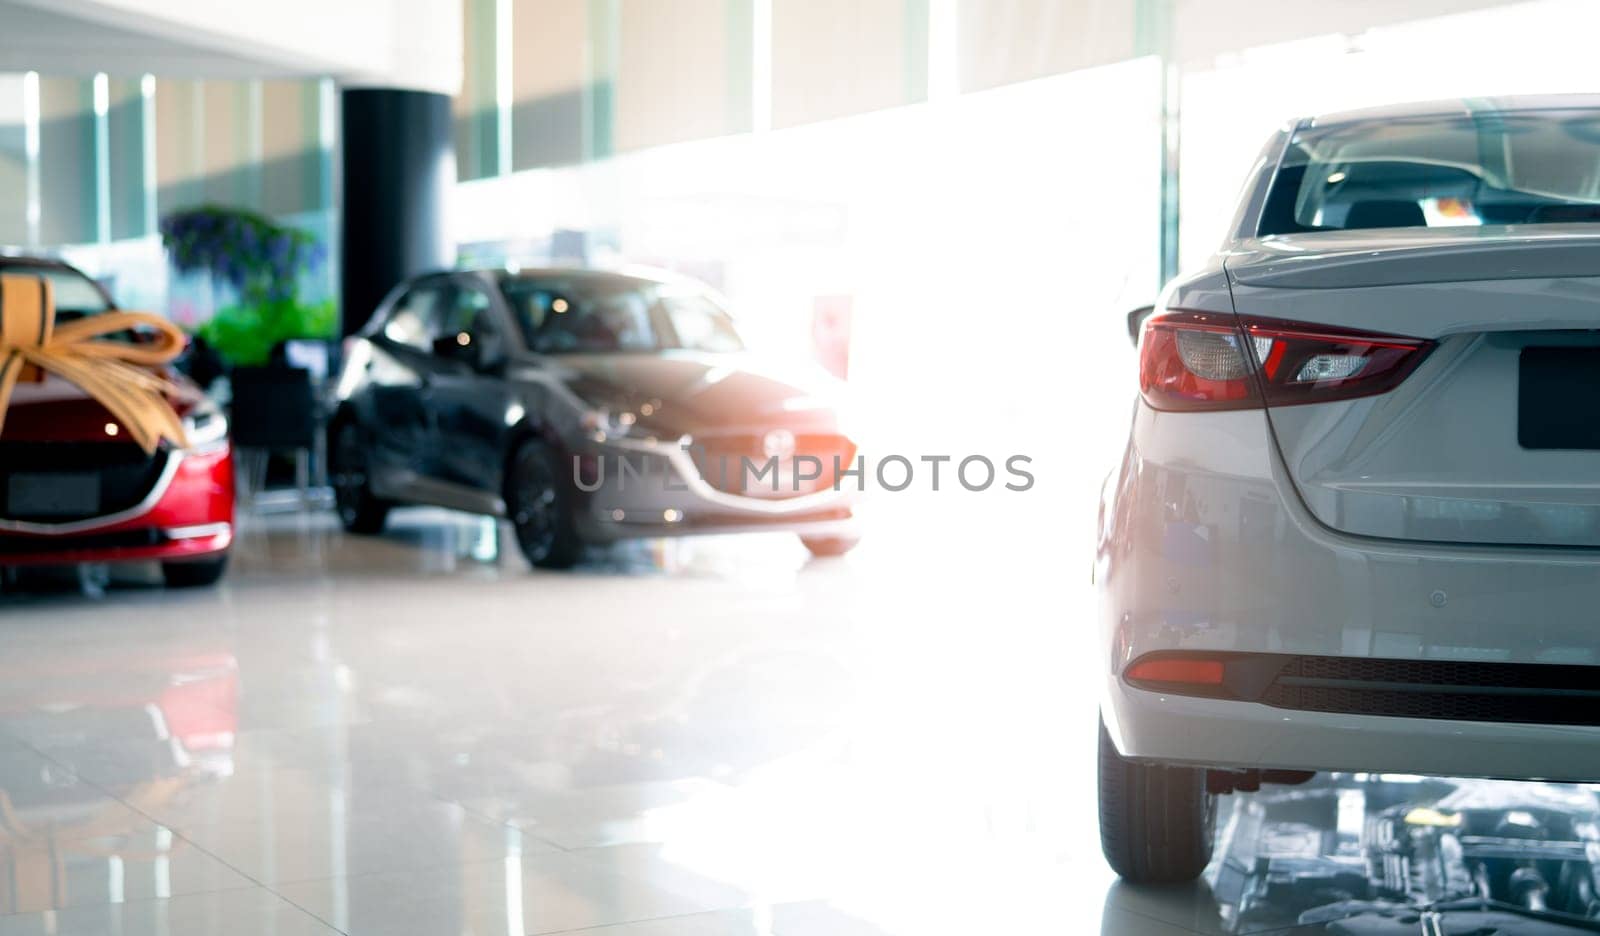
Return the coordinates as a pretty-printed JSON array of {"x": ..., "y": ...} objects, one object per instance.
[
  {"x": 345, "y": 414},
  {"x": 528, "y": 430}
]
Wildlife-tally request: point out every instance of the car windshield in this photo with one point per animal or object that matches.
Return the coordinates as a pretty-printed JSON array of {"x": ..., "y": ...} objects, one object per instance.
[
  {"x": 75, "y": 295},
  {"x": 1488, "y": 167},
  {"x": 579, "y": 314}
]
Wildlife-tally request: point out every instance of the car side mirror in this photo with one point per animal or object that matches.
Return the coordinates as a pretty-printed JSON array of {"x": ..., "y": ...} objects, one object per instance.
[
  {"x": 1136, "y": 322},
  {"x": 456, "y": 347}
]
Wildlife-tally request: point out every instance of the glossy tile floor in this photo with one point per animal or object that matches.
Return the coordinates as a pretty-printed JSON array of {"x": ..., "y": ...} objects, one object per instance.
[{"x": 416, "y": 734}]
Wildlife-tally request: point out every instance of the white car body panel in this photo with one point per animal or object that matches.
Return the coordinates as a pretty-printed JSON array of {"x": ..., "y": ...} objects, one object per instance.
[
  {"x": 1404, "y": 256},
  {"x": 1406, "y": 526},
  {"x": 1204, "y": 547},
  {"x": 1437, "y": 459}
]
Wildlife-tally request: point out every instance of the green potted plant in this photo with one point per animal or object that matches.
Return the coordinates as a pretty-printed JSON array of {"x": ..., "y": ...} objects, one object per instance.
[{"x": 262, "y": 261}]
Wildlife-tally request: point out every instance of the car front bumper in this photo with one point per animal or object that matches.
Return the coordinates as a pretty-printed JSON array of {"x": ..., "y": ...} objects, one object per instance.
[
  {"x": 188, "y": 515},
  {"x": 1205, "y": 547},
  {"x": 668, "y": 497}
]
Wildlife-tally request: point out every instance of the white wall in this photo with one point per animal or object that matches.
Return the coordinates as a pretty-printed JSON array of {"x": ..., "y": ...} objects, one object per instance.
[{"x": 1205, "y": 29}]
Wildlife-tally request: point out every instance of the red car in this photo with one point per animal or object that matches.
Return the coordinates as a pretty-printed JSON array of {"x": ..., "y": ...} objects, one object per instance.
[{"x": 74, "y": 488}]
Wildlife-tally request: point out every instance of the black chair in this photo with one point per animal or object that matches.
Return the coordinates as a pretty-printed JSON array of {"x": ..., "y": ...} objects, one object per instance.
[{"x": 274, "y": 410}]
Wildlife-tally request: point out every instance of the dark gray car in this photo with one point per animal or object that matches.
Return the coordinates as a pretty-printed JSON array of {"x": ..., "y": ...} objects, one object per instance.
[{"x": 585, "y": 407}]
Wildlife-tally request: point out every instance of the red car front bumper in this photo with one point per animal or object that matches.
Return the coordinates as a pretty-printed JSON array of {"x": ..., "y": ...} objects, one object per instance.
[{"x": 188, "y": 515}]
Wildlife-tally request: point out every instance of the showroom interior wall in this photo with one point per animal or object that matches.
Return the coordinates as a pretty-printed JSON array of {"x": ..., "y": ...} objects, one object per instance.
[
  {"x": 585, "y": 79},
  {"x": 894, "y": 156},
  {"x": 14, "y": 162},
  {"x": 961, "y": 240},
  {"x": 116, "y": 112},
  {"x": 89, "y": 175}
]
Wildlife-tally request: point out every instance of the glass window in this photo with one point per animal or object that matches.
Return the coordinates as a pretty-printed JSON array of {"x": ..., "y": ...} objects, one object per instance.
[
  {"x": 475, "y": 120},
  {"x": 558, "y": 316},
  {"x": 604, "y": 313},
  {"x": 466, "y": 315},
  {"x": 13, "y": 161},
  {"x": 619, "y": 322},
  {"x": 560, "y": 92},
  {"x": 698, "y": 324},
  {"x": 66, "y": 161},
  {"x": 1489, "y": 167},
  {"x": 125, "y": 166},
  {"x": 415, "y": 316},
  {"x": 75, "y": 294}
]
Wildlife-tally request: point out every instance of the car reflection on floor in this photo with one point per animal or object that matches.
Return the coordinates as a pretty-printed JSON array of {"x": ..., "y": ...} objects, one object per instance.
[
  {"x": 1370, "y": 854},
  {"x": 416, "y": 734},
  {"x": 151, "y": 719}
]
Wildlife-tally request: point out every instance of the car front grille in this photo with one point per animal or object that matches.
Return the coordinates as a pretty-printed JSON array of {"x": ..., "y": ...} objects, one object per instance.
[
  {"x": 1531, "y": 693},
  {"x": 721, "y": 460},
  {"x": 123, "y": 475},
  {"x": 58, "y": 545}
]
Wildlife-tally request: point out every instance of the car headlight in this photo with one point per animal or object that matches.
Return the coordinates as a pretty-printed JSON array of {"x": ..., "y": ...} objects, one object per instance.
[
  {"x": 604, "y": 423},
  {"x": 205, "y": 427}
]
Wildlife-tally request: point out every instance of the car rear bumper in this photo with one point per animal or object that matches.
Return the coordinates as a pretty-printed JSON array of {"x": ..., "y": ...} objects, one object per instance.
[
  {"x": 1222, "y": 733},
  {"x": 1205, "y": 548},
  {"x": 189, "y": 515}
]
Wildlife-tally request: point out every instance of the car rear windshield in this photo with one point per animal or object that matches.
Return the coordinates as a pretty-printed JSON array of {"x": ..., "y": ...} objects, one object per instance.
[
  {"x": 588, "y": 314},
  {"x": 1470, "y": 168}
]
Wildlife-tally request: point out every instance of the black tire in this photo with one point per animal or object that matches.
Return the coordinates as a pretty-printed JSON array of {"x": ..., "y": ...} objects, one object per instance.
[
  {"x": 359, "y": 511},
  {"x": 1157, "y": 823},
  {"x": 826, "y": 547},
  {"x": 539, "y": 503},
  {"x": 194, "y": 573}
]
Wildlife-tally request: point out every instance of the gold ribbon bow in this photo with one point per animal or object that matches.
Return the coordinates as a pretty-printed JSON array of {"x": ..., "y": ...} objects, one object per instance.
[{"x": 117, "y": 374}]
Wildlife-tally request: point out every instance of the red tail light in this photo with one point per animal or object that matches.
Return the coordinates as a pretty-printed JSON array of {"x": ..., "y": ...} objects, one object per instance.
[
  {"x": 1206, "y": 361},
  {"x": 1195, "y": 360}
]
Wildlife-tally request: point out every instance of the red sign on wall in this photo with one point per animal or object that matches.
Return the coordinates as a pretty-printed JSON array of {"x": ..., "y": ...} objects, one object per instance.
[{"x": 830, "y": 332}]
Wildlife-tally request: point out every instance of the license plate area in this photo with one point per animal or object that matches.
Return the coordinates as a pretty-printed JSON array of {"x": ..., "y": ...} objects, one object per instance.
[
  {"x": 1557, "y": 389},
  {"x": 33, "y": 496}
]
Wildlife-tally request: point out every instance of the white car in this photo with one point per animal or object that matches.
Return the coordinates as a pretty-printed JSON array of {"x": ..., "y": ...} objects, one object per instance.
[{"x": 1357, "y": 522}]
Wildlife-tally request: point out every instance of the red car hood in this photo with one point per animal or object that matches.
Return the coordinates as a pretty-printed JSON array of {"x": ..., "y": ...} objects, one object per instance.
[{"x": 54, "y": 410}]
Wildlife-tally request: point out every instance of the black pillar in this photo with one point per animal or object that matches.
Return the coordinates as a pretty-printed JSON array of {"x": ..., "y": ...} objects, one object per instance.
[{"x": 397, "y": 173}]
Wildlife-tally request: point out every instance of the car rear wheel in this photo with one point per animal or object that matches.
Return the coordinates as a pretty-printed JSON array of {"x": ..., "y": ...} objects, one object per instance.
[
  {"x": 824, "y": 547},
  {"x": 359, "y": 510},
  {"x": 1156, "y": 822},
  {"x": 539, "y": 503},
  {"x": 194, "y": 573}
]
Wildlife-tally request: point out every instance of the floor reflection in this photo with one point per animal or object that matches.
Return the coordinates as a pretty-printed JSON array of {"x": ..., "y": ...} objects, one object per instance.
[
  {"x": 417, "y": 734},
  {"x": 1361, "y": 853},
  {"x": 149, "y": 718}
]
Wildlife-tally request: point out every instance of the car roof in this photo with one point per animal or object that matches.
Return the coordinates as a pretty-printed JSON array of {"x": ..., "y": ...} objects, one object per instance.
[
  {"x": 638, "y": 276},
  {"x": 17, "y": 262},
  {"x": 1461, "y": 107},
  {"x": 37, "y": 263}
]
